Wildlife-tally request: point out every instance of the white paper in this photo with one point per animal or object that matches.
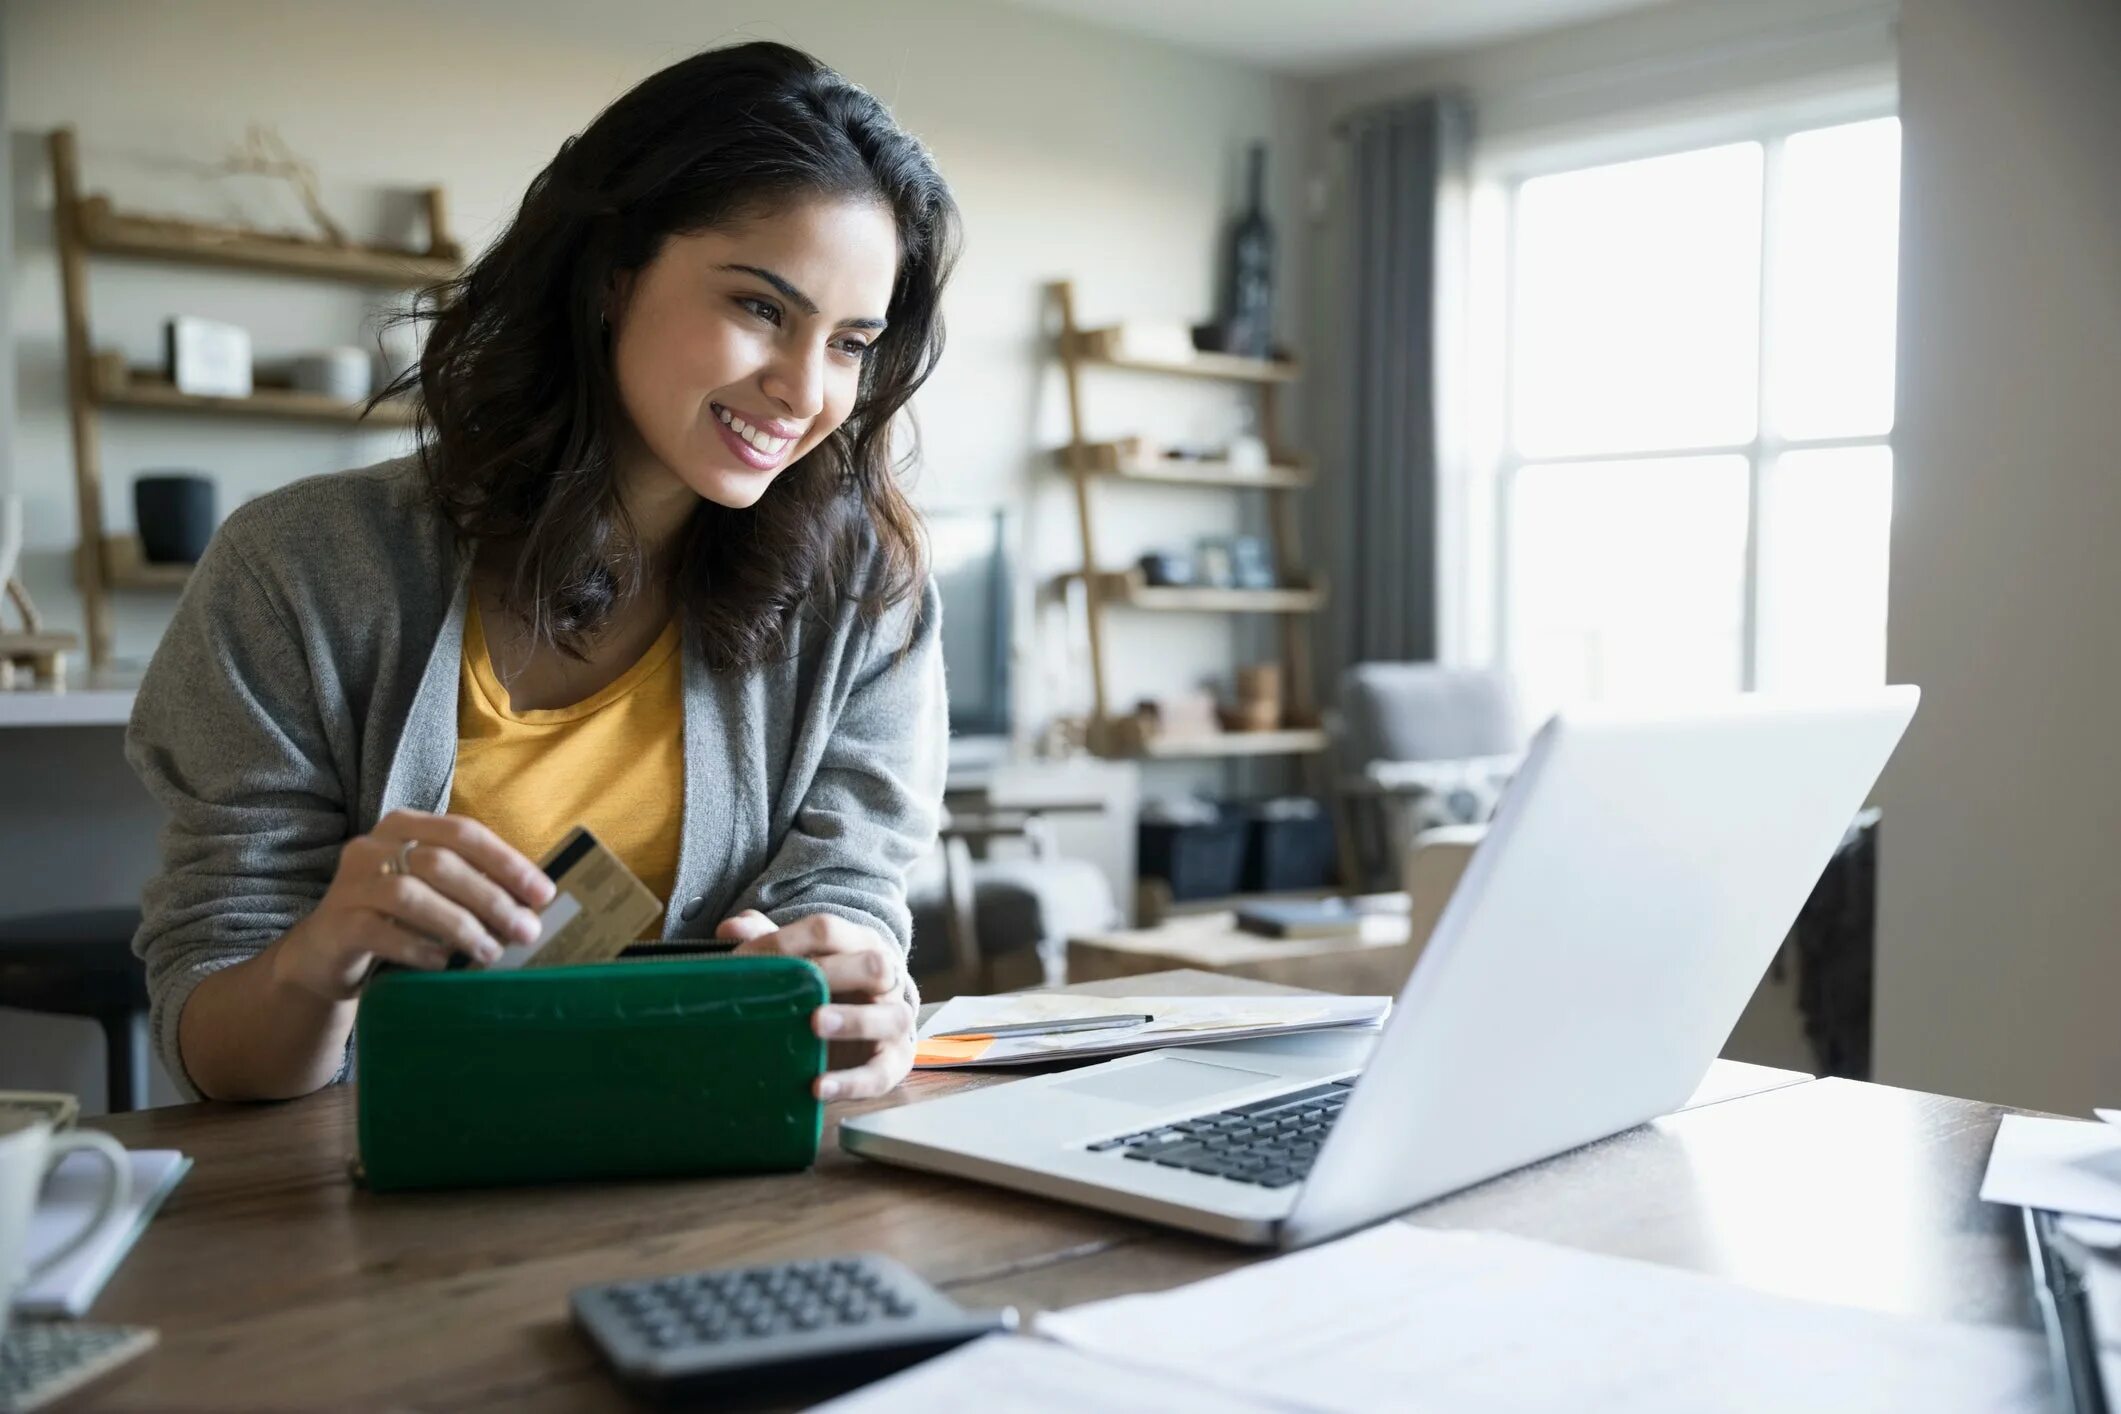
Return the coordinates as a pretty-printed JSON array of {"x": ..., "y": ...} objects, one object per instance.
[
  {"x": 1011, "y": 1374},
  {"x": 64, "y": 1208},
  {"x": 2068, "y": 1165},
  {"x": 2110, "y": 1116},
  {"x": 1179, "y": 1021},
  {"x": 1474, "y": 1323}
]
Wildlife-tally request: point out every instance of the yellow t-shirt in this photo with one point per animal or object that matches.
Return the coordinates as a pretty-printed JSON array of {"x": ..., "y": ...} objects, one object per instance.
[{"x": 614, "y": 762}]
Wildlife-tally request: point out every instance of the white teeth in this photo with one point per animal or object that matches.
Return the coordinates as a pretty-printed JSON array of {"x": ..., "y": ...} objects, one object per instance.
[{"x": 769, "y": 445}]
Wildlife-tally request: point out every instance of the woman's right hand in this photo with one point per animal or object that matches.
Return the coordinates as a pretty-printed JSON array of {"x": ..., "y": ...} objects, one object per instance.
[{"x": 462, "y": 890}]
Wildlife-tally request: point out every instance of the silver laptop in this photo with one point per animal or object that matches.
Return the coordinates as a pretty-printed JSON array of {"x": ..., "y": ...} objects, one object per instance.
[{"x": 1638, "y": 877}]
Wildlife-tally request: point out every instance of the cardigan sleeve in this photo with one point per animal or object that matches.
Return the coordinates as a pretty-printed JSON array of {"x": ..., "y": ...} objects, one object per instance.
[
  {"x": 874, "y": 804},
  {"x": 225, "y": 734}
]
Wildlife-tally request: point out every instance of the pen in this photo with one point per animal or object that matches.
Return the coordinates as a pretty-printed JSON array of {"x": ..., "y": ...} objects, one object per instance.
[{"x": 1047, "y": 1028}]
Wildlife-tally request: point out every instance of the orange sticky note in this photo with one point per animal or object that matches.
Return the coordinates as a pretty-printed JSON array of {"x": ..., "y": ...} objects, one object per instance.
[{"x": 955, "y": 1050}]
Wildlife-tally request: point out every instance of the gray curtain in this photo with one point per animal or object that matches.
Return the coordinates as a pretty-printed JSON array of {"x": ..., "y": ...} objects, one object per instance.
[{"x": 1402, "y": 160}]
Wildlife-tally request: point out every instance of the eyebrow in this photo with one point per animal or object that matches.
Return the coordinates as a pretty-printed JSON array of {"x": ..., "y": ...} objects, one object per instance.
[{"x": 797, "y": 298}]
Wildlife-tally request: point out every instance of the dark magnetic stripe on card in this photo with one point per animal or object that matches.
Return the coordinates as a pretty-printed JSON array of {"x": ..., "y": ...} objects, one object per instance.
[{"x": 567, "y": 858}]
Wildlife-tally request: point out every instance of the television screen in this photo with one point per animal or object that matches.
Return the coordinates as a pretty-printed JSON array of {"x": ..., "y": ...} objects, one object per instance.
[{"x": 971, "y": 563}]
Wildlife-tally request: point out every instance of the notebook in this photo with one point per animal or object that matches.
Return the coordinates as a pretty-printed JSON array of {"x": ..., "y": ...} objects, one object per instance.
[
  {"x": 68, "y": 1201},
  {"x": 1303, "y": 918},
  {"x": 952, "y": 1036}
]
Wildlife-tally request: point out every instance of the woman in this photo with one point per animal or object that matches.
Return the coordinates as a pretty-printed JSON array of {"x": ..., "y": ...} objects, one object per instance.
[{"x": 650, "y": 571}]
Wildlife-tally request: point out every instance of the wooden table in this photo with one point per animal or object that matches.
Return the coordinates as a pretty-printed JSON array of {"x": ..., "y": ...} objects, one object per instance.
[
  {"x": 275, "y": 1283},
  {"x": 1374, "y": 963}
]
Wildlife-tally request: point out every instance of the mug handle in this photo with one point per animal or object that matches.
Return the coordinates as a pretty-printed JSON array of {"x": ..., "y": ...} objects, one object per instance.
[{"x": 116, "y": 1193}]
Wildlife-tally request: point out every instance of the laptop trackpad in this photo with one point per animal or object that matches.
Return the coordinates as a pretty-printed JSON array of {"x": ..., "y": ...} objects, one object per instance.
[{"x": 1166, "y": 1081}]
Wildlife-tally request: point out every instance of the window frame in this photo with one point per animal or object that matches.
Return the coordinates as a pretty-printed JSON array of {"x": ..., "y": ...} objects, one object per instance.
[{"x": 1479, "y": 474}]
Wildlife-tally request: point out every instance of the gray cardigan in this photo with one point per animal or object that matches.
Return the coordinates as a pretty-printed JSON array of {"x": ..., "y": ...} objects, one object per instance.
[{"x": 307, "y": 686}]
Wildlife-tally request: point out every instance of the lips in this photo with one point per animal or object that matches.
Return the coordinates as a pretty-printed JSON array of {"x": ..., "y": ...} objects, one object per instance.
[{"x": 759, "y": 445}]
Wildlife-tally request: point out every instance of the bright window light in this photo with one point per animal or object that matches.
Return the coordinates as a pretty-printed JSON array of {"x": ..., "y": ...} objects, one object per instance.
[
  {"x": 1837, "y": 233},
  {"x": 1694, "y": 484},
  {"x": 1822, "y": 617},
  {"x": 1638, "y": 305}
]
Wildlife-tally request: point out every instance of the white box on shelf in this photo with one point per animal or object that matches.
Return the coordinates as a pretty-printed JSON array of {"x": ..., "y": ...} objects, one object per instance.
[{"x": 208, "y": 358}]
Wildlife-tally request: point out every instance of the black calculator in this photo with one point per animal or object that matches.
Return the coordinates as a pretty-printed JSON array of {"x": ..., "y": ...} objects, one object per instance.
[{"x": 836, "y": 1320}]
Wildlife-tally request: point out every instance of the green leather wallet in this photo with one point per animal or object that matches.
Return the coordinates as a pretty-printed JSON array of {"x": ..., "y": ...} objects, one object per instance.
[{"x": 610, "y": 1070}]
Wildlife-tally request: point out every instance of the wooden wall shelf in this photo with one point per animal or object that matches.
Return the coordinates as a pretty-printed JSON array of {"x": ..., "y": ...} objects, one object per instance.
[
  {"x": 109, "y": 232},
  {"x": 1293, "y": 741},
  {"x": 125, "y": 566},
  {"x": 1111, "y": 459},
  {"x": 89, "y": 225},
  {"x": 1101, "y": 346},
  {"x": 146, "y": 389},
  {"x": 1129, "y": 588}
]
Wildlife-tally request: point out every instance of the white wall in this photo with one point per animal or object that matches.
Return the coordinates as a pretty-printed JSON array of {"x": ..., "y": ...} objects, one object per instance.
[
  {"x": 1072, "y": 151},
  {"x": 2000, "y": 931}
]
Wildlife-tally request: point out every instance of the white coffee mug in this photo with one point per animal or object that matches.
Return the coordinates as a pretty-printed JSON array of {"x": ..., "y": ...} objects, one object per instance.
[{"x": 27, "y": 1154}]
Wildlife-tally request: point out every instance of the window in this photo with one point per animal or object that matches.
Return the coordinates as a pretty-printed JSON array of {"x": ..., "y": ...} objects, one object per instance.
[{"x": 1691, "y": 476}]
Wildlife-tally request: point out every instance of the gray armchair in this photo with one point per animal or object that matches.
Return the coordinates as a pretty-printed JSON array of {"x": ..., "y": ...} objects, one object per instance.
[
  {"x": 1418, "y": 747},
  {"x": 987, "y": 924}
]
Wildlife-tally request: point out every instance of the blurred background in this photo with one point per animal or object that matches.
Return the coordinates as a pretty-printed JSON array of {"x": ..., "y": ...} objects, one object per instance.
[{"x": 1334, "y": 390}]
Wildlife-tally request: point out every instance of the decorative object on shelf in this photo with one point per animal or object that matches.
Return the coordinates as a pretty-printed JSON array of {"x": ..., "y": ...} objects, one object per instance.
[
  {"x": 1063, "y": 736},
  {"x": 344, "y": 374},
  {"x": 265, "y": 153},
  {"x": 1179, "y": 716},
  {"x": 1251, "y": 562},
  {"x": 206, "y": 358},
  {"x": 175, "y": 513},
  {"x": 1170, "y": 569},
  {"x": 28, "y": 649},
  {"x": 11, "y": 541},
  {"x": 1246, "y": 326},
  {"x": 1212, "y": 563},
  {"x": 1247, "y": 451},
  {"x": 1259, "y": 700}
]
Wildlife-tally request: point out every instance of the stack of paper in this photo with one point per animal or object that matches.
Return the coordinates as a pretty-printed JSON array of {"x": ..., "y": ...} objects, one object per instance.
[
  {"x": 1179, "y": 1021},
  {"x": 2072, "y": 1166},
  {"x": 1474, "y": 1323}
]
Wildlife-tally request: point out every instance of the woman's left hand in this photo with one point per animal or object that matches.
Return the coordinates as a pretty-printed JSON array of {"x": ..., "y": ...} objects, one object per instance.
[{"x": 870, "y": 1022}]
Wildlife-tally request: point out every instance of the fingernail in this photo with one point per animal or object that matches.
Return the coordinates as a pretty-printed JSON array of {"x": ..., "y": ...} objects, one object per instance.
[
  {"x": 829, "y": 1022},
  {"x": 489, "y": 952},
  {"x": 524, "y": 925},
  {"x": 828, "y": 1089}
]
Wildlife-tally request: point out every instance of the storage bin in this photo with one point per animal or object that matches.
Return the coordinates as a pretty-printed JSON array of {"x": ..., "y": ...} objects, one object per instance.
[
  {"x": 1198, "y": 860},
  {"x": 1288, "y": 846}
]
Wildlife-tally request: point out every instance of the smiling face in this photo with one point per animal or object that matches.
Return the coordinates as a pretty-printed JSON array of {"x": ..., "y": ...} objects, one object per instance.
[{"x": 738, "y": 350}]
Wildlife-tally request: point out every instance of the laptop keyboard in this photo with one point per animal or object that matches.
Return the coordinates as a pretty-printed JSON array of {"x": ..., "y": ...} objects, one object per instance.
[{"x": 1271, "y": 1143}]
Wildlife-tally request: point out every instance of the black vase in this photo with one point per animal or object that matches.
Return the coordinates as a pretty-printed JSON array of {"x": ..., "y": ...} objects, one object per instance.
[
  {"x": 175, "y": 513},
  {"x": 1248, "y": 298}
]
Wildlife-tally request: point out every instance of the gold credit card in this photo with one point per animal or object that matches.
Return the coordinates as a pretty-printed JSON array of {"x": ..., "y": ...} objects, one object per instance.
[{"x": 598, "y": 910}]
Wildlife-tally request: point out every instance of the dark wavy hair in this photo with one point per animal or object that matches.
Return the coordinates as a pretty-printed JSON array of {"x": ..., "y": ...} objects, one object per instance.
[{"x": 518, "y": 413}]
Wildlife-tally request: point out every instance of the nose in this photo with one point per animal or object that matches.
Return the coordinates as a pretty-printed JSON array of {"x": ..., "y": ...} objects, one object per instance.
[{"x": 796, "y": 379}]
